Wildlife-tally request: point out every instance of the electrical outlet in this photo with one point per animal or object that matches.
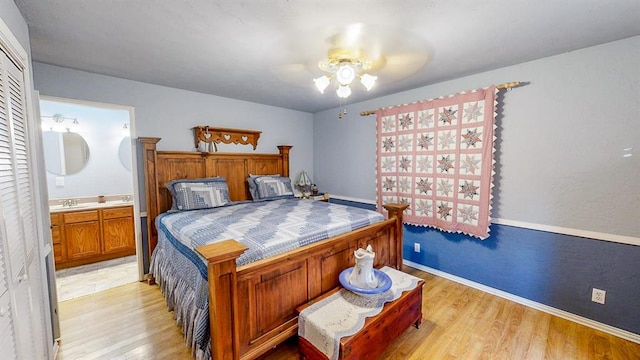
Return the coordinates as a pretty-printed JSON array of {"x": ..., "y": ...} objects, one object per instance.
[
  {"x": 416, "y": 247},
  {"x": 598, "y": 296}
]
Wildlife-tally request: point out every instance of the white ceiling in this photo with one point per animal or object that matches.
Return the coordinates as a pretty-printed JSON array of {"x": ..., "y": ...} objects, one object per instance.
[{"x": 267, "y": 51}]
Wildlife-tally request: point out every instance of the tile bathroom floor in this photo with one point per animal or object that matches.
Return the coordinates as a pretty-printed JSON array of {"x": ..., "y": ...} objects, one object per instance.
[{"x": 92, "y": 278}]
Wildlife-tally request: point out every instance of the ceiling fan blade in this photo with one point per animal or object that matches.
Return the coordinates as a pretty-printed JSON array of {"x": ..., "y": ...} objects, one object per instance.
[
  {"x": 391, "y": 54},
  {"x": 295, "y": 74},
  {"x": 400, "y": 66}
]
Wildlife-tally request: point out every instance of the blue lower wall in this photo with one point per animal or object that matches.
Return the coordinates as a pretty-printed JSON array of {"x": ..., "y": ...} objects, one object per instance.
[{"x": 552, "y": 269}]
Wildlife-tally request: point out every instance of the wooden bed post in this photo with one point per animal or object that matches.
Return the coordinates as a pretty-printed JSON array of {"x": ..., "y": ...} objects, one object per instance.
[
  {"x": 284, "y": 152},
  {"x": 223, "y": 310},
  {"x": 397, "y": 210},
  {"x": 150, "y": 187}
]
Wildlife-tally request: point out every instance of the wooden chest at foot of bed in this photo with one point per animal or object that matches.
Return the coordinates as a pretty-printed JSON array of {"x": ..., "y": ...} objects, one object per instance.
[{"x": 378, "y": 332}]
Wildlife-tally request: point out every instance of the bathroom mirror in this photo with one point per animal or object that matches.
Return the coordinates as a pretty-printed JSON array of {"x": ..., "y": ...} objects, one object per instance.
[
  {"x": 124, "y": 152},
  {"x": 65, "y": 153}
]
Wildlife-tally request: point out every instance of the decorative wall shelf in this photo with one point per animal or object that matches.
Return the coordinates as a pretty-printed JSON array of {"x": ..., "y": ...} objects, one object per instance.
[{"x": 209, "y": 134}]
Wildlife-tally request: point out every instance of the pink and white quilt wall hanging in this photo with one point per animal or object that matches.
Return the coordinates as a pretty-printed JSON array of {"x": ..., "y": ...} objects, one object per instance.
[{"x": 437, "y": 157}]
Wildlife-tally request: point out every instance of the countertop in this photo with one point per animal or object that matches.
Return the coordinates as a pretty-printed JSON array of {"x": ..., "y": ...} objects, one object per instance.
[{"x": 89, "y": 206}]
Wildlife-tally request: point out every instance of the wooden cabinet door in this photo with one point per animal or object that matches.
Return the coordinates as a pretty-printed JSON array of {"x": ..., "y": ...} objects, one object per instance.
[
  {"x": 118, "y": 234},
  {"x": 82, "y": 234},
  {"x": 117, "y": 230},
  {"x": 82, "y": 239}
]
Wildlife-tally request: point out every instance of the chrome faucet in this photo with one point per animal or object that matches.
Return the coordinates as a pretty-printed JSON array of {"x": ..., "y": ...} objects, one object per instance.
[
  {"x": 69, "y": 202},
  {"x": 126, "y": 198}
]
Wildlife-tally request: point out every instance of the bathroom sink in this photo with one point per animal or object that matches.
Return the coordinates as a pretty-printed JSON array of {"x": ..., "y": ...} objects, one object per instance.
[{"x": 61, "y": 207}]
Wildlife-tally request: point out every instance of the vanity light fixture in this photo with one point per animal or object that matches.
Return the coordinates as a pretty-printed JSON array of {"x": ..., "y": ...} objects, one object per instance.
[
  {"x": 74, "y": 127},
  {"x": 56, "y": 122}
]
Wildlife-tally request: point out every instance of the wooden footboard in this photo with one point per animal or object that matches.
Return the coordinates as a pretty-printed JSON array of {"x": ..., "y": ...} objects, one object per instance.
[{"x": 252, "y": 307}]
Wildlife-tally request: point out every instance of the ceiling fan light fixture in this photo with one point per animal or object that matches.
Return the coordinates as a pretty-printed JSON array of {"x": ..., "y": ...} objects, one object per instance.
[
  {"x": 343, "y": 91},
  {"x": 368, "y": 81},
  {"x": 345, "y": 65},
  {"x": 322, "y": 82},
  {"x": 345, "y": 74}
]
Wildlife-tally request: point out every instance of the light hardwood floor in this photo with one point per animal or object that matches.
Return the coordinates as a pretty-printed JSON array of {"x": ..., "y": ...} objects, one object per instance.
[{"x": 132, "y": 322}]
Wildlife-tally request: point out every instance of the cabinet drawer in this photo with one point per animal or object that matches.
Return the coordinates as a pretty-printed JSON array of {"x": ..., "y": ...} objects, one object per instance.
[
  {"x": 80, "y": 216},
  {"x": 55, "y": 219},
  {"x": 117, "y": 212}
]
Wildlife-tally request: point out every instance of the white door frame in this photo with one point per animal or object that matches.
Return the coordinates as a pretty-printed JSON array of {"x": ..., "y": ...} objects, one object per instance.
[{"x": 134, "y": 167}]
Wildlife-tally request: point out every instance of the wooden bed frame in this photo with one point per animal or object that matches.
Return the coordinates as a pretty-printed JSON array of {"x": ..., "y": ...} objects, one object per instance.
[{"x": 252, "y": 308}]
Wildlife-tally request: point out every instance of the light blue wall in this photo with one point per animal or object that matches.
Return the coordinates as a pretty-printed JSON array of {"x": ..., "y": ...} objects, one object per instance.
[
  {"x": 104, "y": 173},
  {"x": 172, "y": 113},
  {"x": 562, "y": 142}
]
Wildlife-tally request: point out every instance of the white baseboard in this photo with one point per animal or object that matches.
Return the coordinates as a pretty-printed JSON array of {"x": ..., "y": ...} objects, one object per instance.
[{"x": 627, "y": 335}]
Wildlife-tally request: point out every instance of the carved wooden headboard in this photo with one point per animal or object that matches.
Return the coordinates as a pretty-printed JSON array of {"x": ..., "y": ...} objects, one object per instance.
[{"x": 163, "y": 166}]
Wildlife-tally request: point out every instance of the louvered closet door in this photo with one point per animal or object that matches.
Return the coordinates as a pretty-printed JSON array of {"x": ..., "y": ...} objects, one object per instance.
[
  {"x": 7, "y": 336},
  {"x": 18, "y": 121},
  {"x": 17, "y": 226},
  {"x": 7, "y": 339},
  {"x": 8, "y": 175}
]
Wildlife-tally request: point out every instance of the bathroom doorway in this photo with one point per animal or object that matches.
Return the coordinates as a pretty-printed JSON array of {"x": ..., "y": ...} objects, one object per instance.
[{"x": 92, "y": 182}]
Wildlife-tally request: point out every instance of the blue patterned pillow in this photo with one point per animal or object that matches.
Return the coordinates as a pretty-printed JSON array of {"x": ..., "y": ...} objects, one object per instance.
[
  {"x": 194, "y": 194},
  {"x": 271, "y": 187},
  {"x": 253, "y": 188}
]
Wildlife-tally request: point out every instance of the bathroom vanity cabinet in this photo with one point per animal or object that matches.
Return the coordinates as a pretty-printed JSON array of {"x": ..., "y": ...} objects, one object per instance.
[{"x": 85, "y": 236}]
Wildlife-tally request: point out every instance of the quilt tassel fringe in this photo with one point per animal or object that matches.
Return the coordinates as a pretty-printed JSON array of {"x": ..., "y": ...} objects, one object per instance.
[{"x": 180, "y": 298}]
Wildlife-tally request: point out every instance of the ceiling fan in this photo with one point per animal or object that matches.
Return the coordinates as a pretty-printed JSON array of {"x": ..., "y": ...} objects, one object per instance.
[{"x": 372, "y": 54}]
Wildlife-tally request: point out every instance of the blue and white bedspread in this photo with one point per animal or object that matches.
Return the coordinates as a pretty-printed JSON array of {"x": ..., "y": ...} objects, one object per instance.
[{"x": 266, "y": 228}]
